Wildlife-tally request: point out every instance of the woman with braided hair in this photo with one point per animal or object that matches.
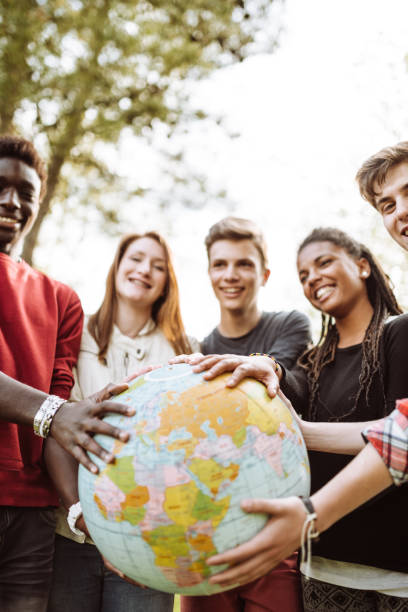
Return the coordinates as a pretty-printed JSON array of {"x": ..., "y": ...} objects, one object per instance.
[
  {"x": 355, "y": 373},
  {"x": 352, "y": 376}
]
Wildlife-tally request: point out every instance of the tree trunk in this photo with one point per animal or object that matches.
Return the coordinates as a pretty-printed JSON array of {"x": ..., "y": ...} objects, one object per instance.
[{"x": 31, "y": 240}]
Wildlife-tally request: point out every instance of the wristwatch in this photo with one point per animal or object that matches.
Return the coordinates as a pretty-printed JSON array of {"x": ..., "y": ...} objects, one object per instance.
[{"x": 74, "y": 513}]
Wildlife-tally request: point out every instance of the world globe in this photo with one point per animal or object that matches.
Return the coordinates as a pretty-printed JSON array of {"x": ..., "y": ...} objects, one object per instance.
[{"x": 172, "y": 497}]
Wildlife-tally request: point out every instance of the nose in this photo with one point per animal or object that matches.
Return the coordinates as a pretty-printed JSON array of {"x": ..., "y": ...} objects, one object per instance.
[
  {"x": 9, "y": 197},
  {"x": 402, "y": 207},
  {"x": 230, "y": 272},
  {"x": 145, "y": 267},
  {"x": 312, "y": 277}
]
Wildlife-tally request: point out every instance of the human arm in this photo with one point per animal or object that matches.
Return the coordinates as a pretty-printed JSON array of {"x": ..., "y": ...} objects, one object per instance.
[
  {"x": 364, "y": 477},
  {"x": 74, "y": 423},
  {"x": 242, "y": 366},
  {"x": 389, "y": 437}
]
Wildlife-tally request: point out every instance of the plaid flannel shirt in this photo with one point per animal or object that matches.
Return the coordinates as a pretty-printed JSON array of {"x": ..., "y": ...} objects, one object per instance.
[{"x": 390, "y": 439}]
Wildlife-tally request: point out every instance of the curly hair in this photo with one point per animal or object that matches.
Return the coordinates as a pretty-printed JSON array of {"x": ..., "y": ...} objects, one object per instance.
[
  {"x": 24, "y": 150},
  {"x": 384, "y": 304}
]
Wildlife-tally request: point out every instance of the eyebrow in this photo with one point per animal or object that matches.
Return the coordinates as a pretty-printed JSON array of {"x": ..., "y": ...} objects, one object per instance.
[
  {"x": 387, "y": 198},
  {"x": 144, "y": 253},
  {"x": 317, "y": 259},
  {"x": 23, "y": 183}
]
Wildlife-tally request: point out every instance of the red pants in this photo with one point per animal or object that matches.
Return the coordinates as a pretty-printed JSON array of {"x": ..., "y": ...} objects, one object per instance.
[{"x": 278, "y": 591}]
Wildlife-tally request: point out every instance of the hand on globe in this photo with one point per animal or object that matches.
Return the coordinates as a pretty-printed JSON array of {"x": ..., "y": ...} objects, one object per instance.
[
  {"x": 242, "y": 366},
  {"x": 140, "y": 372},
  {"x": 115, "y": 570},
  {"x": 280, "y": 537},
  {"x": 192, "y": 359}
]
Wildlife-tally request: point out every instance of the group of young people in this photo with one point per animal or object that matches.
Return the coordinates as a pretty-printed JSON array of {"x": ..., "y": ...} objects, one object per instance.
[{"x": 344, "y": 385}]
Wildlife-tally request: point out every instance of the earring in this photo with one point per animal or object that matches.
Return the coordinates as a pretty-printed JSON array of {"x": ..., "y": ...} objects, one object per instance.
[{"x": 364, "y": 274}]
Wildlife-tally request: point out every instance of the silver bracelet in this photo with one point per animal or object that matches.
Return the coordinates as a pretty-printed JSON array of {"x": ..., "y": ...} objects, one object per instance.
[{"x": 43, "y": 418}]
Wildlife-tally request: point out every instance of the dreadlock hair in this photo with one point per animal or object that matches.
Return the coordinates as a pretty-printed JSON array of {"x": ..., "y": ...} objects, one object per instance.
[{"x": 384, "y": 303}]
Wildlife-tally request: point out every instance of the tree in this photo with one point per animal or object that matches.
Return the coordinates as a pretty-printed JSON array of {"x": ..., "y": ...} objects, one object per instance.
[{"x": 81, "y": 72}]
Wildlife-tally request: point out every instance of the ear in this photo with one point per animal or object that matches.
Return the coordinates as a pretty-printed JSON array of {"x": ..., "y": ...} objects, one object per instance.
[
  {"x": 266, "y": 275},
  {"x": 364, "y": 268}
]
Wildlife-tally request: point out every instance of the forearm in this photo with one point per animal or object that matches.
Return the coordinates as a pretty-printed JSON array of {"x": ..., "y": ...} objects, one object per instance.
[
  {"x": 359, "y": 481},
  {"x": 63, "y": 470},
  {"x": 343, "y": 438},
  {"x": 18, "y": 402}
]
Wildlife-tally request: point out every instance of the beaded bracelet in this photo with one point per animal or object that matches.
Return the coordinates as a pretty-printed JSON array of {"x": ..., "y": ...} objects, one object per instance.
[
  {"x": 276, "y": 365},
  {"x": 44, "y": 415}
]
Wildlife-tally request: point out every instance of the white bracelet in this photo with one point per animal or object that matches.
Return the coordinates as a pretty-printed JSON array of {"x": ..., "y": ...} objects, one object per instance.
[
  {"x": 74, "y": 513},
  {"x": 309, "y": 533},
  {"x": 44, "y": 415}
]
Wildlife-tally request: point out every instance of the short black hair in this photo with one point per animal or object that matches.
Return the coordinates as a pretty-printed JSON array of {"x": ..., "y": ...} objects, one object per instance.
[{"x": 24, "y": 150}]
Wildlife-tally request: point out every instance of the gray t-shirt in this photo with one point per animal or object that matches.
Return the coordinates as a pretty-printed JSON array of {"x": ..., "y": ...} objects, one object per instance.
[{"x": 284, "y": 335}]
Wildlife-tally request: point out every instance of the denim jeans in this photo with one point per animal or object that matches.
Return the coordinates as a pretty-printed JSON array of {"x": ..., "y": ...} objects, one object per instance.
[
  {"x": 26, "y": 551},
  {"x": 81, "y": 583}
]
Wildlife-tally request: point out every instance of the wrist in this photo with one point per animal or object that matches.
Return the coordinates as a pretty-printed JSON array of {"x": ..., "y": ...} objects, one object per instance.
[
  {"x": 74, "y": 513},
  {"x": 44, "y": 416},
  {"x": 271, "y": 361}
]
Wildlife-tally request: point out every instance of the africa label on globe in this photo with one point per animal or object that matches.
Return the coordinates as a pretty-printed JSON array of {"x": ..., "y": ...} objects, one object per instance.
[{"x": 172, "y": 498}]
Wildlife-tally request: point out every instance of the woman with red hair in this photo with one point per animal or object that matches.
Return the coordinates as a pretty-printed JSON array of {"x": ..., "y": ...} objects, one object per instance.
[{"x": 138, "y": 323}]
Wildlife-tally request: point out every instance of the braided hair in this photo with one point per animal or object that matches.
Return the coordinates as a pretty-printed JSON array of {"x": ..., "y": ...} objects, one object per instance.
[{"x": 384, "y": 304}]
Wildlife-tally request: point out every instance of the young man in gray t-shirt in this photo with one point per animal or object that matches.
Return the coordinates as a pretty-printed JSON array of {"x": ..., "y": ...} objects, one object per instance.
[{"x": 238, "y": 268}]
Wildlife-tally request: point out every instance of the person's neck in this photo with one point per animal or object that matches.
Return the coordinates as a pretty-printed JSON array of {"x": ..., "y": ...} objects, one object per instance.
[
  {"x": 13, "y": 253},
  {"x": 352, "y": 329},
  {"x": 131, "y": 320},
  {"x": 236, "y": 323}
]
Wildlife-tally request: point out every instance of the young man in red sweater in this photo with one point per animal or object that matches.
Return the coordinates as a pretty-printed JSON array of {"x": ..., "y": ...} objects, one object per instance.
[{"x": 40, "y": 331}]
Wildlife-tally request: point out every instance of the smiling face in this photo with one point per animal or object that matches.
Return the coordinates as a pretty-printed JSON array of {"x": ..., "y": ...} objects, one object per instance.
[
  {"x": 332, "y": 280},
  {"x": 392, "y": 203},
  {"x": 142, "y": 273},
  {"x": 236, "y": 274},
  {"x": 20, "y": 188}
]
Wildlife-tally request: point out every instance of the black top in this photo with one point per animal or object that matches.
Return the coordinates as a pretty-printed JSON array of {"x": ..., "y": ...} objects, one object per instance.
[
  {"x": 374, "y": 534},
  {"x": 284, "y": 335}
]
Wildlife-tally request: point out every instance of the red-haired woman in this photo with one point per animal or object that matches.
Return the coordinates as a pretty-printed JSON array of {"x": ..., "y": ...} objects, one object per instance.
[{"x": 138, "y": 323}]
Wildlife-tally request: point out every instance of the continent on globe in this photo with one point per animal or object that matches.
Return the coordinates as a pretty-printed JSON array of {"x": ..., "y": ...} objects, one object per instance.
[{"x": 196, "y": 449}]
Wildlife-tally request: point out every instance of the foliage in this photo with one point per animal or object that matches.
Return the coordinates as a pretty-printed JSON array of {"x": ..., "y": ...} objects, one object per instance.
[{"x": 74, "y": 73}]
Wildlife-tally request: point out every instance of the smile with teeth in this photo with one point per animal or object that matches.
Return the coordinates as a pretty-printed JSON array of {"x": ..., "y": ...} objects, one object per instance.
[
  {"x": 323, "y": 292},
  {"x": 231, "y": 290},
  {"x": 137, "y": 281},
  {"x": 9, "y": 221}
]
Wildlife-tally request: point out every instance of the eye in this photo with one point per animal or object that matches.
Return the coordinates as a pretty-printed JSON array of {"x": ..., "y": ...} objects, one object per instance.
[
  {"x": 159, "y": 267},
  {"x": 387, "y": 207},
  {"x": 26, "y": 195},
  {"x": 325, "y": 262},
  {"x": 217, "y": 264}
]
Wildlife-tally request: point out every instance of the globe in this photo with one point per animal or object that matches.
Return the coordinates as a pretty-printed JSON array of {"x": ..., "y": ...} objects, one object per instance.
[{"x": 196, "y": 449}]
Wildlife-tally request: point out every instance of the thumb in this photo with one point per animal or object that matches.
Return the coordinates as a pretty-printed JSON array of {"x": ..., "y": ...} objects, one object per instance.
[{"x": 272, "y": 389}]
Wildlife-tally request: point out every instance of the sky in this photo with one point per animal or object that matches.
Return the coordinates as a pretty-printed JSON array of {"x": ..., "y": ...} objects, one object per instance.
[{"x": 297, "y": 124}]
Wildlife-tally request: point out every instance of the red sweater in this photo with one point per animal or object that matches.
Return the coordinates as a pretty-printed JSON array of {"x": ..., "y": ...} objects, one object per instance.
[{"x": 40, "y": 333}]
